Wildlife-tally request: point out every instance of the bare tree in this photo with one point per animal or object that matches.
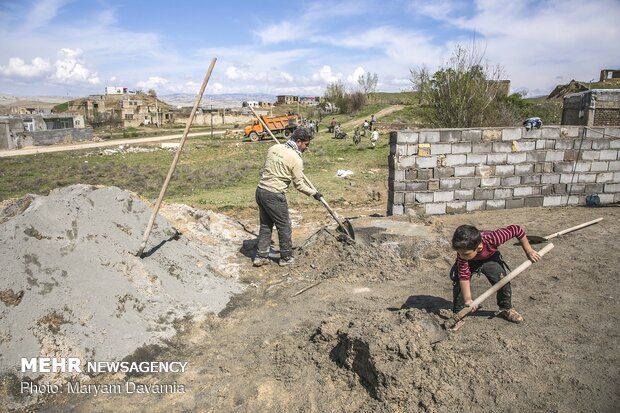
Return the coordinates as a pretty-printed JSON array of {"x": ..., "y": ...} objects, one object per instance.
[{"x": 368, "y": 83}]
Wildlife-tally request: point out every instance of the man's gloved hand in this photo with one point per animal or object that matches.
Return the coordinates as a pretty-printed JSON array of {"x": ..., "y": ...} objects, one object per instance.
[{"x": 317, "y": 196}]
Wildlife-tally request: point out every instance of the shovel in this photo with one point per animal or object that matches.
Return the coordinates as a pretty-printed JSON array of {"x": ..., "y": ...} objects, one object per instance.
[
  {"x": 533, "y": 239},
  {"x": 345, "y": 225}
]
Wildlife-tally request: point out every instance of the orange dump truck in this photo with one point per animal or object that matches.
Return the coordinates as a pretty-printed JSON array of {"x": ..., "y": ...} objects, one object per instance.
[{"x": 284, "y": 125}]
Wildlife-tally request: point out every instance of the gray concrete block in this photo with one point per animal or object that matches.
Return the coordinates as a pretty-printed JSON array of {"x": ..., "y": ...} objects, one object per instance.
[
  {"x": 464, "y": 171},
  {"x": 607, "y": 198},
  {"x": 406, "y": 137},
  {"x": 524, "y": 168},
  {"x": 541, "y": 144},
  {"x": 600, "y": 166},
  {"x": 504, "y": 170},
  {"x": 452, "y": 135},
  {"x": 616, "y": 177},
  {"x": 595, "y": 133},
  {"x": 475, "y": 159},
  {"x": 493, "y": 204},
  {"x": 582, "y": 145},
  {"x": 456, "y": 207},
  {"x": 425, "y": 174},
  {"x": 444, "y": 172},
  {"x": 485, "y": 171},
  {"x": 496, "y": 158},
  {"x": 511, "y": 134},
  {"x": 533, "y": 201},
  {"x": 398, "y": 197},
  {"x": 471, "y": 135},
  {"x": 525, "y": 146},
  {"x": 428, "y": 136},
  {"x": 559, "y": 188},
  {"x": 523, "y": 191},
  {"x": 409, "y": 198},
  {"x": 398, "y": 186},
  {"x": 443, "y": 196},
  {"x": 467, "y": 183},
  {"x": 614, "y": 166},
  {"x": 433, "y": 184},
  {"x": 423, "y": 197},
  {"x": 600, "y": 144},
  {"x": 452, "y": 160},
  {"x": 609, "y": 155},
  {"x": 554, "y": 156},
  {"x": 405, "y": 162},
  {"x": 552, "y": 200},
  {"x": 571, "y": 200},
  {"x": 546, "y": 189},
  {"x": 571, "y": 155},
  {"x": 435, "y": 208},
  {"x": 502, "y": 147},
  {"x": 448, "y": 183},
  {"x": 417, "y": 186},
  {"x": 398, "y": 174},
  {"x": 411, "y": 174},
  {"x": 535, "y": 156},
  {"x": 614, "y": 187},
  {"x": 503, "y": 193},
  {"x": 423, "y": 162},
  {"x": 568, "y": 178},
  {"x": 614, "y": 144},
  {"x": 550, "y": 132},
  {"x": 482, "y": 147},
  {"x": 480, "y": 193},
  {"x": 396, "y": 209},
  {"x": 412, "y": 149},
  {"x": 583, "y": 166},
  {"x": 550, "y": 179},
  {"x": 594, "y": 188},
  {"x": 547, "y": 167},
  {"x": 516, "y": 157},
  {"x": 591, "y": 155},
  {"x": 492, "y": 135},
  {"x": 570, "y": 131},
  {"x": 475, "y": 206},
  {"x": 515, "y": 203},
  {"x": 563, "y": 167},
  {"x": 464, "y": 194},
  {"x": 489, "y": 182},
  {"x": 511, "y": 180},
  {"x": 562, "y": 144},
  {"x": 531, "y": 134},
  {"x": 461, "y": 147},
  {"x": 575, "y": 188},
  {"x": 441, "y": 148}
]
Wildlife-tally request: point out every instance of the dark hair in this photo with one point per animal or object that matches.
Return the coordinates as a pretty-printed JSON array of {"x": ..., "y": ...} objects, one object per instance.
[
  {"x": 466, "y": 237},
  {"x": 302, "y": 134}
]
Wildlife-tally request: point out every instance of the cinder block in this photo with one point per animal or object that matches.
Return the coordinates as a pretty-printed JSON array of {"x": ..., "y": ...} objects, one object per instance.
[
  {"x": 515, "y": 203},
  {"x": 496, "y": 158},
  {"x": 504, "y": 170},
  {"x": 606, "y": 198},
  {"x": 567, "y": 178},
  {"x": 396, "y": 209},
  {"x": 435, "y": 208},
  {"x": 533, "y": 201},
  {"x": 591, "y": 155},
  {"x": 614, "y": 144},
  {"x": 571, "y": 155},
  {"x": 482, "y": 147},
  {"x": 496, "y": 204},
  {"x": 502, "y": 147},
  {"x": 583, "y": 166},
  {"x": 550, "y": 132},
  {"x": 429, "y": 136},
  {"x": 582, "y": 145},
  {"x": 409, "y": 198},
  {"x": 406, "y": 137},
  {"x": 461, "y": 147},
  {"x": 417, "y": 186},
  {"x": 546, "y": 189},
  {"x": 441, "y": 148},
  {"x": 424, "y": 197},
  {"x": 511, "y": 134},
  {"x": 491, "y": 135},
  {"x": 464, "y": 194},
  {"x": 550, "y": 179},
  {"x": 609, "y": 155},
  {"x": 594, "y": 188},
  {"x": 480, "y": 193},
  {"x": 423, "y": 162},
  {"x": 547, "y": 167},
  {"x": 541, "y": 144},
  {"x": 411, "y": 174},
  {"x": 611, "y": 132},
  {"x": 599, "y": 166},
  {"x": 614, "y": 166},
  {"x": 452, "y": 160},
  {"x": 397, "y": 174},
  {"x": 570, "y": 131},
  {"x": 616, "y": 177},
  {"x": 449, "y": 183},
  {"x": 433, "y": 184},
  {"x": 570, "y": 200},
  {"x": 398, "y": 197},
  {"x": 595, "y": 133},
  {"x": 524, "y": 168},
  {"x": 612, "y": 188},
  {"x": 452, "y": 135},
  {"x": 563, "y": 166},
  {"x": 535, "y": 156},
  {"x": 526, "y": 146},
  {"x": 516, "y": 157},
  {"x": 412, "y": 149},
  {"x": 563, "y": 144},
  {"x": 456, "y": 207},
  {"x": 552, "y": 200},
  {"x": 554, "y": 156},
  {"x": 444, "y": 172},
  {"x": 523, "y": 191},
  {"x": 511, "y": 181},
  {"x": 398, "y": 186},
  {"x": 538, "y": 168},
  {"x": 467, "y": 183},
  {"x": 503, "y": 193},
  {"x": 487, "y": 182},
  {"x": 394, "y": 149},
  {"x": 531, "y": 134},
  {"x": 485, "y": 171},
  {"x": 464, "y": 170},
  {"x": 576, "y": 188},
  {"x": 425, "y": 174},
  {"x": 475, "y": 206},
  {"x": 405, "y": 162},
  {"x": 471, "y": 135},
  {"x": 475, "y": 159},
  {"x": 600, "y": 144},
  {"x": 559, "y": 188}
]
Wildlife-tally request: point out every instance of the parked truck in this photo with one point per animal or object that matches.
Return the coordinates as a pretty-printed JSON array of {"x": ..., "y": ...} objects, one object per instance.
[{"x": 284, "y": 125}]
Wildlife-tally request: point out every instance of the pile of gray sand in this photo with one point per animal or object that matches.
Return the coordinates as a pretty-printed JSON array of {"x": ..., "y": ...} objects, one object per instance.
[{"x": 70, "y": 285}]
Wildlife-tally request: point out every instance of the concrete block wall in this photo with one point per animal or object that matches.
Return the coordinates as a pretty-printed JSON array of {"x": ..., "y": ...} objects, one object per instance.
[{"x": 501, "y": 168}]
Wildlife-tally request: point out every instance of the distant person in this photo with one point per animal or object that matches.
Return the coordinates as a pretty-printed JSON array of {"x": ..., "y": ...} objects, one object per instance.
[
  {"x": 357, "y": 136},
  {"x": 365, "y": 126},
  {"x": 372, "y": 121},
  {"x": 283, "y": 165},
  {"x": 374, "y": 137},
  {"x": 332, "y": 125},
  {"x": 534, "y": 122},
  {"x": 477, "y": 252}
]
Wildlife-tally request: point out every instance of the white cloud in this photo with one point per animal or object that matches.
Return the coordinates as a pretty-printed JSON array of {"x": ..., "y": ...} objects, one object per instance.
[
  {"x": 70, "y": 68},
  {"x": 359, "y": 71},
  {"x": 325, "y": 75},
  {"x": 17, "y": 67},
  {"x": 153, "y": 82},
  {"x": 43, "y": 12}
]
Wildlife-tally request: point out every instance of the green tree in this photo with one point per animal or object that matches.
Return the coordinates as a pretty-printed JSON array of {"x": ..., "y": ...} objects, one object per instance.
[
  {"x": 461, "y": 94},
  {"x": 336, "y": 94},
  {"x": 368, "y": 83}
]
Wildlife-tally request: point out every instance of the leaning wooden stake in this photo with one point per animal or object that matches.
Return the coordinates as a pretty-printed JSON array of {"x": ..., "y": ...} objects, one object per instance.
[
  {"x": 465, "y": 311},
  {"x": 175, "y": 160}
]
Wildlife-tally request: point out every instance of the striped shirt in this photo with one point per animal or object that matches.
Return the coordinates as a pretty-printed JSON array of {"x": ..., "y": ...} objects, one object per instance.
[{"x": 491, "y": 240}]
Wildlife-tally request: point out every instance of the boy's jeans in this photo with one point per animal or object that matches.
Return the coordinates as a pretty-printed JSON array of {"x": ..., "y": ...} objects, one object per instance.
[{"x": 494, "y": 268}]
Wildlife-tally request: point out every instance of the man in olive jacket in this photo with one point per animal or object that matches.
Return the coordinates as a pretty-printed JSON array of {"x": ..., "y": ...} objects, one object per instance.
[{"x": 282, "y": 166}]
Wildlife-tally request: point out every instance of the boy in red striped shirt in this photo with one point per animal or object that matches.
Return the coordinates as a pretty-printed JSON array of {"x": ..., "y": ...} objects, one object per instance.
[{"x": 477, "y": 252}]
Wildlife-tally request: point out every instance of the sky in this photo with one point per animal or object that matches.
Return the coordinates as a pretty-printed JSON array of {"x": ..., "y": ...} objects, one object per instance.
[{"x": 78, "y": 47}]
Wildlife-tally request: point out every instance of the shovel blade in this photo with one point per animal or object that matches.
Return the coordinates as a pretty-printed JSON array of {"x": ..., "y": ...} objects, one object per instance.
[
  {"x": 347, "y": 229},
  {"x": 534, "y": 239}
]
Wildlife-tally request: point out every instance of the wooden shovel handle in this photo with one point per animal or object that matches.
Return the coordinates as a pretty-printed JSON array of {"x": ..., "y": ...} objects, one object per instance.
[{"x": 575, "y": 228}]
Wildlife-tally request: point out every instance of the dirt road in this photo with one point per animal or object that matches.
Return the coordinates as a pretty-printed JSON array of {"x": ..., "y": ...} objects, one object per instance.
[{"x": 359, "y": 121}]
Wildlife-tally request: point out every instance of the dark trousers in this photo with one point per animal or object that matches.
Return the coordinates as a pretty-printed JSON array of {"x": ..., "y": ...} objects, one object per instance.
[
  {"x": 494, "y": 268},
  {"x": 273, "y": 210}
]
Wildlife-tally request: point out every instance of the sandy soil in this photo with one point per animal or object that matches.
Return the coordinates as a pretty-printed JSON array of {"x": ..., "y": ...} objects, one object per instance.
[{"x": 367, "y": 335}]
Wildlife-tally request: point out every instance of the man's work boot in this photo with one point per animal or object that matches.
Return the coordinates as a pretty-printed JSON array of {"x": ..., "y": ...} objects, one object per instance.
[
  {"x": 286, "y": 261},
  {"x": 511, "y": 315},
  {"x": 260, "y": 261}
]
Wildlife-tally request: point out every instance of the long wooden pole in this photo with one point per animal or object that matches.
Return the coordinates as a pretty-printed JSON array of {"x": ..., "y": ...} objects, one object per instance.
[
  {"x": 575, "y": 228},
  {"x": 461, "y": 314},
  {"x": 175, "y": 160}
]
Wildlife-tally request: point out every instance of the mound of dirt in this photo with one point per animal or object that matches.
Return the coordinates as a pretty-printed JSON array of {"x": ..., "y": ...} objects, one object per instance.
[
  {"x": 562, "y": 90},
  {"x": 71, "y": 286}
]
